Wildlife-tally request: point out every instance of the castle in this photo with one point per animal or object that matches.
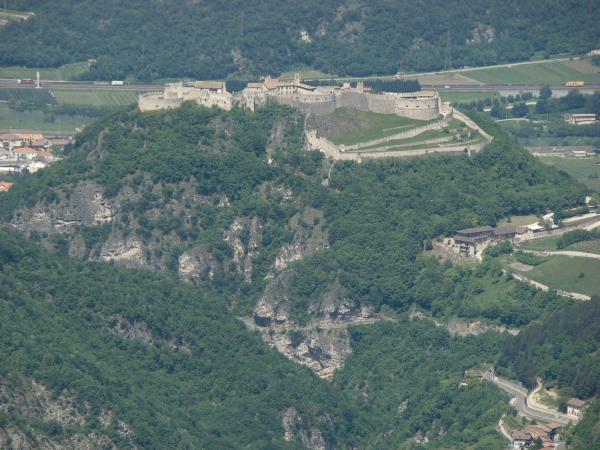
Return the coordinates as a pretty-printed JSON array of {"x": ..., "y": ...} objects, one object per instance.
[{"x": 309, "y": 99}]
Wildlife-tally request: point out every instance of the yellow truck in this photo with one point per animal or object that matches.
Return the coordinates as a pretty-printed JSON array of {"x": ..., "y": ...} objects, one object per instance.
[{"x": 574, "y": 84}]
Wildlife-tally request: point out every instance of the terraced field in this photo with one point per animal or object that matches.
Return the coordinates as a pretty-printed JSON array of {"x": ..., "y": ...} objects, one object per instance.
[{"x": 96, "y": 97}]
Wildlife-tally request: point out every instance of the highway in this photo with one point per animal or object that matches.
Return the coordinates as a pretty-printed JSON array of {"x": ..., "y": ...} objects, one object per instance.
[{"x": 50, "y": 84}]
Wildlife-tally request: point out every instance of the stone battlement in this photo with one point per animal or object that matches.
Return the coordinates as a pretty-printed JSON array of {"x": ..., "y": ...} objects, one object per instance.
[{"x": 317, "y": 101}]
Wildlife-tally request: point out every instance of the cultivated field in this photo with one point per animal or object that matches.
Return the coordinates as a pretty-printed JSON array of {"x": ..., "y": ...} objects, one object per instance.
[
  {"x": 551, "y": 72},
  {"x": 66, "y": 72},
  {"x": 36, "y": 121},
  {"x": 96, "y": 97},
  {"x": 26, "y": 95},
  {"x": 573, "y": 274},
  {"x": 584, "y": 170}
]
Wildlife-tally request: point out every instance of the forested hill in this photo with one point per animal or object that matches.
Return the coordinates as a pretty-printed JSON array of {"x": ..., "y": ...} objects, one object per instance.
[{"x": 208, "y": 39}]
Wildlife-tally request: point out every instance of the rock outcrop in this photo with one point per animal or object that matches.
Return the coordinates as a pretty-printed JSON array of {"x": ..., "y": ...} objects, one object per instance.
[
  {"x": 35, "y": 402},
  {"x": 294, "y": 430},
  {"x": 84, "y": 205},
  {"x": 244, "y": 250}
]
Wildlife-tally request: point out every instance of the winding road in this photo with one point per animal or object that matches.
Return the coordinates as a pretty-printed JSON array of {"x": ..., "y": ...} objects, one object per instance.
[{"x": 519, "y": 393}]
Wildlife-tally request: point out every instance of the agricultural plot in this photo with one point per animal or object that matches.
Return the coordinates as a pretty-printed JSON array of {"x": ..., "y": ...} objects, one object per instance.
[
  {"x": 551, "y": 72},
  {"x": 36, "y": 121},
  {"x": 66, "y": 72},
  {"x": 584, "y": 170},
  {"x": 519, "y": 221},
  {"x": 96, "y": 97},
  {"x": 573, "y": 274},
  {"x": 27, "y": 95}
]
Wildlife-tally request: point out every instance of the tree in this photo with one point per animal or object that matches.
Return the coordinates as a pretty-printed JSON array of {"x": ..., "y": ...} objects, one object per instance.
[
  {"x": 545, "y": 93},
  {"x": 593, "y": 103},
  {"x": 520, "y": 110},
  {"x": 541, "y": 107},
  {"x": 496, "y": 110}
]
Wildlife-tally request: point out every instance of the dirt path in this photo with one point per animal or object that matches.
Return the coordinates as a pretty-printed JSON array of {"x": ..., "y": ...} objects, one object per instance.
[
  {"x": 563, "y": 253},
  {"x": 543, "y": 287}
]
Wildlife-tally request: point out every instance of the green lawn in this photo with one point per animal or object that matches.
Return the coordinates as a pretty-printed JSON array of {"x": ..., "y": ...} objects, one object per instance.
[
  {"x": 519, "y": 221},
  {"x": 584, "y": 170},
  {"x": 542, "y": 244},
  {"x": 552, "y": 72},
  {"x": 96, "y": 97},
  {"x": 573, "y": 274},
  {"x": 34, "y": 121},
  {"x": 466, "y": 97},
  {"x": 586, "y": 246},
  {"x": 361, "y": 126},
  {"x": 65, "y": 72}
]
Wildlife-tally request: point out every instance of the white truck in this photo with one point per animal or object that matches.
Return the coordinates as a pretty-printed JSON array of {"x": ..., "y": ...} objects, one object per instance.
[{"x": 116, "y": 83}]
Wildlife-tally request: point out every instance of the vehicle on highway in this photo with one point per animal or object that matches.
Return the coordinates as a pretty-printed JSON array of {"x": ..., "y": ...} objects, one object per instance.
[
  {"x": 27, "y": 81},
  {"x": 117, "y": 83},
  {"x": 574, "y": 84}
]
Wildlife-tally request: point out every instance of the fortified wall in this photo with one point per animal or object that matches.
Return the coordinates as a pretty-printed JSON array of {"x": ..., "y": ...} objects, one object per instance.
[
  {"x": 317, "y": 101},
  {"x": 417, "y": 105}
]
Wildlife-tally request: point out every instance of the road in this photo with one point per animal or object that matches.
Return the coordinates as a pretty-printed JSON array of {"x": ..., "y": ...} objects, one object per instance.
[
  {"x": 47, "y": 84},
  {"x": 519, "y": 393}
]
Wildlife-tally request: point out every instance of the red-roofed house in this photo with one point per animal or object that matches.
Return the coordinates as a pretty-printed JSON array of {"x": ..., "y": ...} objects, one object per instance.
[
  {"x": 5, "y": 186},
  {"x": 25, "y": 153}
]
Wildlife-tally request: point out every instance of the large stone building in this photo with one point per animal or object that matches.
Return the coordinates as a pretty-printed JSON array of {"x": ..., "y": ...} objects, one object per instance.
[
  {"x": 206, "y": 93},
  {"x": 309, "y": 99}
]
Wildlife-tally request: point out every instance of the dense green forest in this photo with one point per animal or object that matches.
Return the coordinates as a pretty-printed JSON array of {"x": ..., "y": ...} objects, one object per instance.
[
  {"x": 205, "y": 39},
  {"x": 177, "y": 179},
  {"x": 188, "y": 383}
]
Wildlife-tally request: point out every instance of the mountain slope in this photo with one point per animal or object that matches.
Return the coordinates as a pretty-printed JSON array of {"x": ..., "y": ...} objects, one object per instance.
[
  {"x": 167, "y": 363},
  {"x": 207, "y": 39}
]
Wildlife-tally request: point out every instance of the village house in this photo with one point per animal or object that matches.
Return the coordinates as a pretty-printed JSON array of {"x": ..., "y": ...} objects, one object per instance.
[
  {"x": 580, "y": 119},
  {"x": 575, "y": 407},
  {"x": 469, "y": 241},
  {"x": 25, "y": 153},
  {"x": 520, "y": 440}
]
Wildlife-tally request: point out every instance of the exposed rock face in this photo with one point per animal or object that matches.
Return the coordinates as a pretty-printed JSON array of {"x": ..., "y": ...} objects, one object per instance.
[
  {"x": 86, "y": 205},
  {"x": 197, "y": 264},
  {"x": 460, "y": 327},
  {"x": 294, "y": 431},
  {"x": 324, "y": 342},
  {"x": 128, "y": 251},
  {"x": 244, "y": 252},
  {"x": 142, "y": 332},
  {"x": 309, "y": 237},
  {"x": 34, "y": 401}
]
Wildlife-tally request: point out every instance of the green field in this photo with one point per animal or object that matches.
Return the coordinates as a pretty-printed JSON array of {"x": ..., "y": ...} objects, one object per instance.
[
  {"x": 354, "y": 126},
  {"x": 573, "y": 274},
  {"x": 26, "y": 95},
  {"x": 586, "y": 246},
  {"x": 519, "y": 221},
  {"x": 551, "y": 72},
  {"x": 65, "y": 72},
  {"x": 584, "y": 170},
  {"x": 96, "y": 97},
  {"x": 34, "y": 121},
  {"x": 542, "y": 244},
  {"x": 466, "y": 97}
]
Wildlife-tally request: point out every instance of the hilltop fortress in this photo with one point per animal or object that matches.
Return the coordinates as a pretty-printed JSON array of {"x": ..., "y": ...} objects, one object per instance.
[{"x": 309, "y": 99}]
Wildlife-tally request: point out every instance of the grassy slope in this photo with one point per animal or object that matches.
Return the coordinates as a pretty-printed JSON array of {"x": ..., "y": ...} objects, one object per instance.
[
  {"x": 373, "y": 125},
  {"x": 580, "y": 169},
  {"x": 554, "y": 72},
  {"x": 562, "y": 272},
  {"x": 519, "y": 220}
]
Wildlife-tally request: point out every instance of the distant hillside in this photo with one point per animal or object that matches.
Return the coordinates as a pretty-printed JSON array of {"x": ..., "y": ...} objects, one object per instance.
[{"x": 207, "y": 39}]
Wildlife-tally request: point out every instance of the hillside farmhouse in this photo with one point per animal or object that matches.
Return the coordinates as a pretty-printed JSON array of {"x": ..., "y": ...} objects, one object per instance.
[
  {"x": 576, "y": 407},
  {"x": 469, "y": 241}
]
